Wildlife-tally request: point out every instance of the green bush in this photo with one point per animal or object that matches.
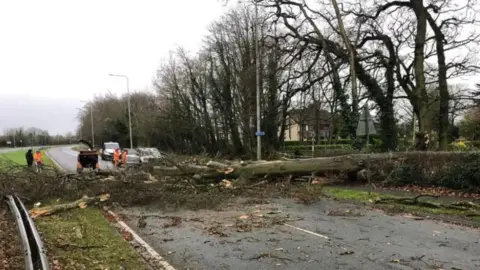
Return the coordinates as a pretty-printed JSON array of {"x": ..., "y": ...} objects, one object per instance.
[
  {"x": 472, "y": 144},
  {"x": 321, "y": 142},
  {"x": 456, "y": 170},
  {"x": 318, "y": 147}
]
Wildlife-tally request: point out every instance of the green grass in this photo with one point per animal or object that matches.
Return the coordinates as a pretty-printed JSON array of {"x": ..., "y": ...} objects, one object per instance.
[
  {"x": 83, "y": 239},
  {"x": 80, "y": 238},
  {"x": 365, "y": 197},
  {"x": 18, "y": 158}
]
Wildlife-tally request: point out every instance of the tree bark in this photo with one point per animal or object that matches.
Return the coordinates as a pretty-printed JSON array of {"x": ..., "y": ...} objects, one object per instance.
[
  {"x": 419, "y": 66},
  {"x": 351, "y": 59},
  {"x": 245, "y": 170},
  {"x": 81, "y": 203},
  {"x": 442, "y": 84}
]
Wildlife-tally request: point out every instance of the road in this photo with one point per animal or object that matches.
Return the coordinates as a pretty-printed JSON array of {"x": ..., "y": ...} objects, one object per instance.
[
  {"x": 67, "y": 158},
  {"x": 282, "y": 234}
]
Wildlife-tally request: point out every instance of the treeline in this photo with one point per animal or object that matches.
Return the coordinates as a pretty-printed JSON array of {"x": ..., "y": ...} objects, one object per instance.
[
  {"x": 18, "y": 137},
  {"x": 401, "y": 56}
]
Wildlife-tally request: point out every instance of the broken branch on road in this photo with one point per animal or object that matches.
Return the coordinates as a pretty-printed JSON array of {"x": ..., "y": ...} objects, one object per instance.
[{"x": 80, "y": 203}]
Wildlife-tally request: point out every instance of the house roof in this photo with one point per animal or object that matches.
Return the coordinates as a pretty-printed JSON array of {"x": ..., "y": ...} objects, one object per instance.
[{"x": 310, "y": 113}]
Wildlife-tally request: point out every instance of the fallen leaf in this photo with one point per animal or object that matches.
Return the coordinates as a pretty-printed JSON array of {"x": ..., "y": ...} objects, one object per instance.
[
  {"x": 127, "y": 235},
  {"x": 227, "y": 184},
  {"x": 395, "y": 260},
  {"x": 104, "y": 197},
  {"x": 82, "y": 205},
  {"x": 78, "y": 233},
  {"x": 243, "y": 217}
]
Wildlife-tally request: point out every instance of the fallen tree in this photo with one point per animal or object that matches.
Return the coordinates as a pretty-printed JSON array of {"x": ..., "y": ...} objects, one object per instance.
[{"x": 299, "y": 167}]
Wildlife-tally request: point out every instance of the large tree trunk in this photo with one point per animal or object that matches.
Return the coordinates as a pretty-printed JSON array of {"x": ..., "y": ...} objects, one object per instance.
[
  {"x": 347, "y": 163},
  {"x": 351, "y": 60},
  {"x": 442, "y": 84},
  {"x": 419, "y": 67}
]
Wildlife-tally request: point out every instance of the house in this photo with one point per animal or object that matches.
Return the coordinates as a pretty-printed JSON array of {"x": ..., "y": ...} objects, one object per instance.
[{"x": 307, "y": 123}]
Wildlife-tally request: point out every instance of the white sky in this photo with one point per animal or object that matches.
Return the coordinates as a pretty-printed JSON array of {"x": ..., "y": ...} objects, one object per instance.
[{"x": 55, "y": 53}]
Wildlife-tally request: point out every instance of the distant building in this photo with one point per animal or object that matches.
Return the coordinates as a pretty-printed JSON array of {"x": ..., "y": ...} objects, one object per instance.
[{"x": 310, "y": 122}]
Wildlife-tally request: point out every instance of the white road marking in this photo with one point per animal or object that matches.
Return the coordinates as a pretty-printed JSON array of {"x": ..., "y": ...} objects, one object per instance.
[
  {"x": 142, "y": 242},
  {"x": 306, "y": 231}
]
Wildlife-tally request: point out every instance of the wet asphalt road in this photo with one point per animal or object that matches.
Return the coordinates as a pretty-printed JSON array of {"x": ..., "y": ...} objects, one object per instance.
[
  {"x": 67, "y": 158},
  {"x": 325, "y": 235}
]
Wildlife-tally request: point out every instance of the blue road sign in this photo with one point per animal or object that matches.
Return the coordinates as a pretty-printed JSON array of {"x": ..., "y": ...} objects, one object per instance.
[{"x": 259, "y": 133}]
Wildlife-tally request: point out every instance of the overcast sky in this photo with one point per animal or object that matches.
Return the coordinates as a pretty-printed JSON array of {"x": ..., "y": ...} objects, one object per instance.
[{"x": 56, "y": 53}]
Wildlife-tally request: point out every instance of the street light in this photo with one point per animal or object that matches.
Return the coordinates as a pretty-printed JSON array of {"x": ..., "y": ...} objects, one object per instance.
[
  {"x": 91, "y": 123},
  {"x": 129, "y": 111},
  {"x": 259, "y": 137},
  {"x": 259, "y": 133}
]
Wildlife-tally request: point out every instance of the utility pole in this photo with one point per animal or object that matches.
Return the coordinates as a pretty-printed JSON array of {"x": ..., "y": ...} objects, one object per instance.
[
  {"x": 257, "y": 62},
  {"x": 129, "y": 110},
  {"x": 91, "y": 122},
  {"x": 90, "y": 104},
  {"x": 367, "y": 122}
]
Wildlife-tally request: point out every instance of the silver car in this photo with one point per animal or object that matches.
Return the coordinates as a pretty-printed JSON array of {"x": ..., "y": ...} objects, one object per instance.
[
  {"x": 149, "y": 154},
  {"x": 133, "y": 157}
]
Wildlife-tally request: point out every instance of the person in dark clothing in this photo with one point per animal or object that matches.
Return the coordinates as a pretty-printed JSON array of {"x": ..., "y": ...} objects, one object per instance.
[{"x": 29, "y": 157}]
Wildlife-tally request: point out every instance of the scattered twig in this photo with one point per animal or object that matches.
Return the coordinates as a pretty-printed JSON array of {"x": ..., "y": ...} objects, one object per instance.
[{"x": 69, "y": 246}]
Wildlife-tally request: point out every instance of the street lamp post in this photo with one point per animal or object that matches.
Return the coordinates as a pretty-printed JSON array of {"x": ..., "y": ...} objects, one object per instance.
[
  {"x": 129, "y": 110},
  {"x": 257, "y": 62},
  {"x": 91, "y": 124}
]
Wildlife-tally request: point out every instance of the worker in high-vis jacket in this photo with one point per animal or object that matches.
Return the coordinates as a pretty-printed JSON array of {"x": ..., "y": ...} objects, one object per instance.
[
  {"x": 37, "y": 158},
  {"x": 124, "y": 158},
  {"x": 116, "y": 157}
]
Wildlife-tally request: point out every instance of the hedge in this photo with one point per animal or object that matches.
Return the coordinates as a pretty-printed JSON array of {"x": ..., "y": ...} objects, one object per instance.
[
  {"x": 327, "y": 152},
  {"x": 318, "y": 146},
  {"x": 321, "y": 142},
  {"x": 455, "y": 170}
]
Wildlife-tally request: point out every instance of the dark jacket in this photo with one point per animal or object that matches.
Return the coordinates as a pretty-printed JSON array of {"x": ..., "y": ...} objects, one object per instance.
[{"x": 29, "y": 157}]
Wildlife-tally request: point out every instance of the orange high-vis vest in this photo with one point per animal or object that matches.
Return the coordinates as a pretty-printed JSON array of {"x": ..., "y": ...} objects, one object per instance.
[
  {"x": 116, "y": 155},
  {"x": 124, "y": 158},
  {"x": 37, "y": 156}
]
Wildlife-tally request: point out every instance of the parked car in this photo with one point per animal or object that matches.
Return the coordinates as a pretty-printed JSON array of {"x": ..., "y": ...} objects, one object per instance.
[
  {"x": 147, "y": 154},
  {"x": 107, "y": 150},
  {"x": 133, "y": 158}
]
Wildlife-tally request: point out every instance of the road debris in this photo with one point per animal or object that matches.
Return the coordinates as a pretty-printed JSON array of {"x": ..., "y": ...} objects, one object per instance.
[{"x": 80, "y": 203}]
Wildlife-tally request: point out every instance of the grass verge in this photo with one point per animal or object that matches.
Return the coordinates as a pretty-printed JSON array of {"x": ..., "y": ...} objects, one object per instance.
[
  {"x": 18, "y": 158},
  {"x": 370, "y": 198},
  {"x": 79, "y": 147},
  {"x": 78, "y": 238},
  {"x": 83, "y": 239}
]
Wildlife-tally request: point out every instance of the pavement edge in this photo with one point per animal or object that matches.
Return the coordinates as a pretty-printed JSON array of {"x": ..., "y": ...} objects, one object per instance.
[{"x": 154, "y": 255}]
